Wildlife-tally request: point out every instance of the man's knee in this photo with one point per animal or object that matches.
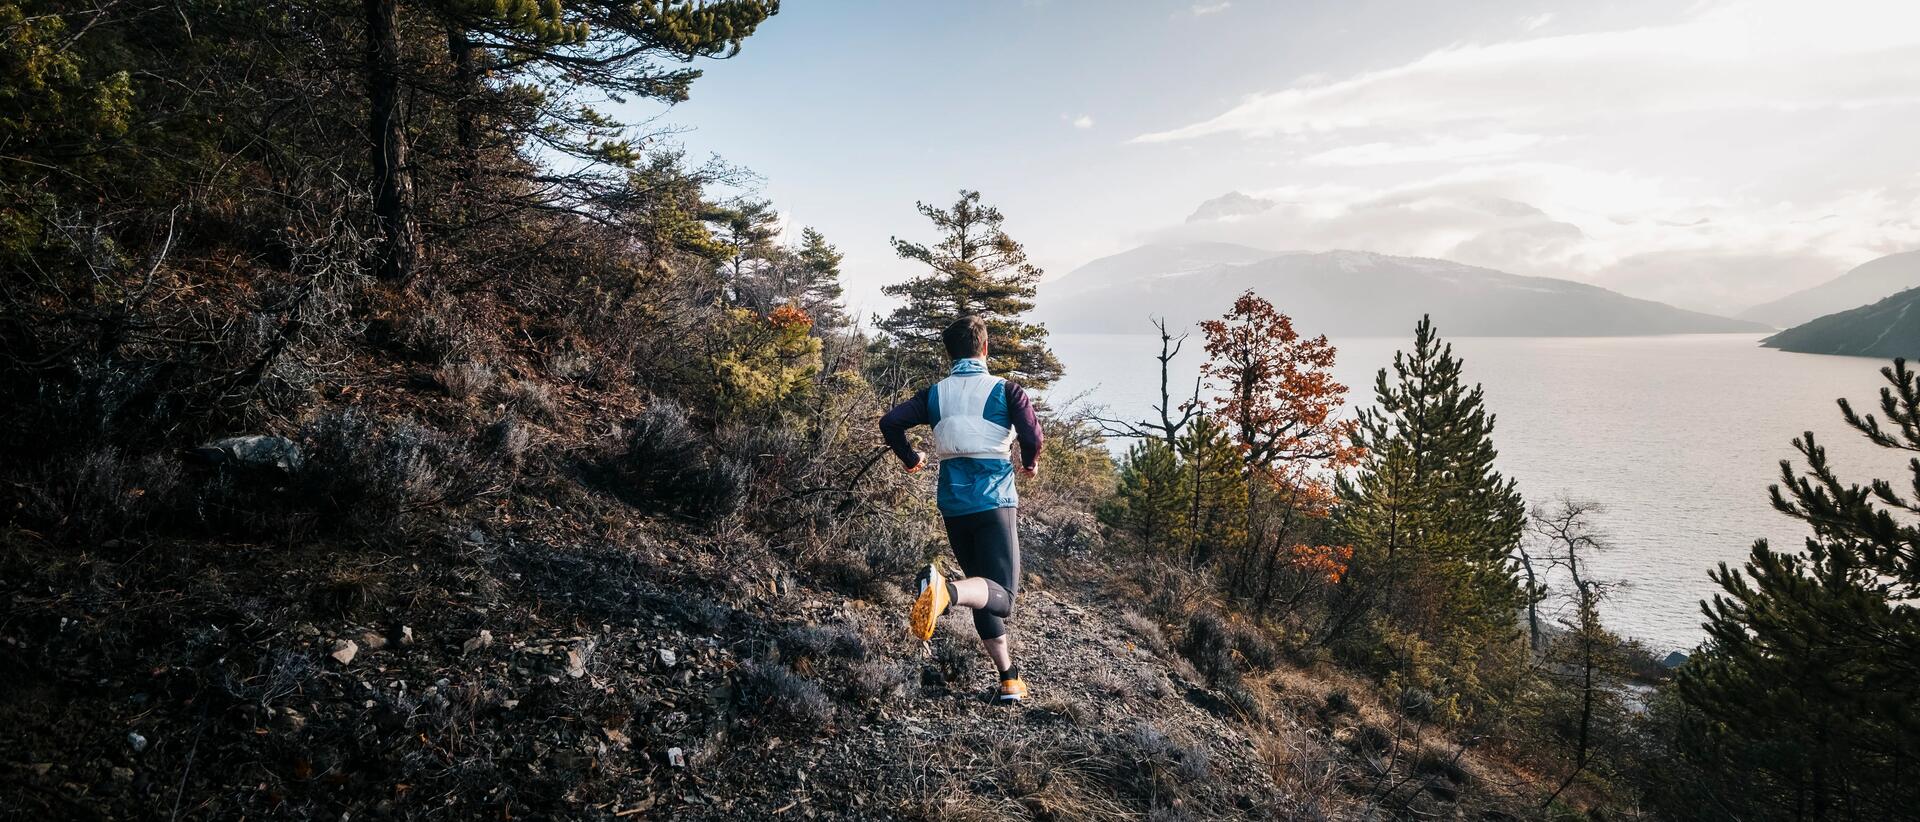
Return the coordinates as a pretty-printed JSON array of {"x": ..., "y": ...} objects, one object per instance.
[{"x": 999, "y": 600}]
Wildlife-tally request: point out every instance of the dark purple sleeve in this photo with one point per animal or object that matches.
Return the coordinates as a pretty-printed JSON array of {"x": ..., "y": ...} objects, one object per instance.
[
  {"x": 894, "y": 425},
  {"x": 1026, "y": 426}
]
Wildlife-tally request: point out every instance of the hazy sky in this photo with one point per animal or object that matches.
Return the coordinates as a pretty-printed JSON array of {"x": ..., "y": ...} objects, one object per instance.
[{"x": 1713, "y": 155}]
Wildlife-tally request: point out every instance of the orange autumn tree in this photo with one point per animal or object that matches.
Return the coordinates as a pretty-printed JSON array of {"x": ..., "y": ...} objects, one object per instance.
[{"x": 1275, "y": 391}]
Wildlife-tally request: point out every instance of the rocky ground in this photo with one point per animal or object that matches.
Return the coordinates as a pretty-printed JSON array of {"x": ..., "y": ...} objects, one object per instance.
[{"x": 484, "y": 674}]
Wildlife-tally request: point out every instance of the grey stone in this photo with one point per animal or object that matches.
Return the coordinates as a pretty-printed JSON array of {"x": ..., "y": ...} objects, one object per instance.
[{"x": 260, "y": 451}]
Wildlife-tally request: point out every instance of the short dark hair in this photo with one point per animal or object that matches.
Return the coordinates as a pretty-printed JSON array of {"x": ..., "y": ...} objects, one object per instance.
[{"x": 965, "y": 337}]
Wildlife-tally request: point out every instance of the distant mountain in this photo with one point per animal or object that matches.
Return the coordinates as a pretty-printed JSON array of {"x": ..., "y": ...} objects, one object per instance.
[
  {"x": 1886, "y": 329},
  {"x": 1866, "y": 283},
  {"x": 1352, "y": 293},
  {"x": 1230, "y": 204}
]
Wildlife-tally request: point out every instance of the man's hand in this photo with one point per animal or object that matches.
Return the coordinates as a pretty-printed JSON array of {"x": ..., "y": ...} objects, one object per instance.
[
  {"x": 919, "y": 459},
  {"x": 1029, "y": 470}
]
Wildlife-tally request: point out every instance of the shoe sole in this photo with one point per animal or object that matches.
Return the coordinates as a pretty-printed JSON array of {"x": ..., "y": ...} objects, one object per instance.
[{"x": 926, "y": 610}]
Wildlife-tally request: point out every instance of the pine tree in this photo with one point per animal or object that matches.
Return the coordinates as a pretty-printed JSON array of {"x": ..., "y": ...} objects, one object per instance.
[
  {"x": 817, "y": 267},
  {"x": 1215, "y": 491},
  {"x": 497, "y": 53},
  {"x": 976, "y": 269},
  {"x": 1810, "y": 677},
  {"x": 1150, "y": 503},
  {"x": 806, "y": 276},
  {"x": 749, "y": 229},
  {"x": 1434, "y": 527}
]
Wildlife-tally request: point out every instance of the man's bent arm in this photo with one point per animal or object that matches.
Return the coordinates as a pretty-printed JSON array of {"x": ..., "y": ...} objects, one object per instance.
[
  {"x": 893, "y": 428},
  {"x": 1026, "y": 426}
]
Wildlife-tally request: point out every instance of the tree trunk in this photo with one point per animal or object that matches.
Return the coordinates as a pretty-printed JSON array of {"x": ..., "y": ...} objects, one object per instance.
[
  {"x": 392, "y": 178},
  {"x": 466, "y": 85}
]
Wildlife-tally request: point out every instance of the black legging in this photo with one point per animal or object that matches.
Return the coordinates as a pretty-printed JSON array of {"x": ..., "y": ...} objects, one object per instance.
[{"x": 988, "y": 546}]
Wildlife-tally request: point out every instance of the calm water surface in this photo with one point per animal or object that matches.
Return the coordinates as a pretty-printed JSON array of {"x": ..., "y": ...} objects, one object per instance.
[{"x": 1677, "y": 436}]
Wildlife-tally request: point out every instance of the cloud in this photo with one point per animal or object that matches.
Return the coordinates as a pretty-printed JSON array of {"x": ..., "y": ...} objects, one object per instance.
[
  {"x": 1441, "y": 150},
  {"x": 1748, "y": 150},
  {"x": 1083, "y": 121},
  {"x": 1537, "y": 22},
  {"x": 1764, "y": 55},
  {"x": 1204, "y": 9}
]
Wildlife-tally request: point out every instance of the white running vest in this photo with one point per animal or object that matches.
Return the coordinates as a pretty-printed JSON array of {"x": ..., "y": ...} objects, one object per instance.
[{"x": 963, "y": 429}]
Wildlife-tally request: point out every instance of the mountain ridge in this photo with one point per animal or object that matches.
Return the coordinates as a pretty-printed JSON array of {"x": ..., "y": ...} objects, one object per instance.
[
  {"x": 1887, "y": 328},
  {"x": 1354, "y": 292},
  {"x": 1860, "y": 286}
]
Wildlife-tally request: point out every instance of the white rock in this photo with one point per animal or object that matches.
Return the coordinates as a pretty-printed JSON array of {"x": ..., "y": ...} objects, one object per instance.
[
  {"x": 484, "y": 640},
  {"x": 136, "y": 741},
  {"x": 344, "y": 651},
  {"x": 668, "y": 657}
]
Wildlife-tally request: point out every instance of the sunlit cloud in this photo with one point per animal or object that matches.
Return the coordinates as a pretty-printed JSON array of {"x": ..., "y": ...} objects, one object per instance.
[
  {"x": 1441, "y": 150},
  {"x": 1203, "y": 9},
  {"x": 1699, "y": 162},
  {"x": 1761, "y": 55},
  {"x": 1083, "y": 121}
]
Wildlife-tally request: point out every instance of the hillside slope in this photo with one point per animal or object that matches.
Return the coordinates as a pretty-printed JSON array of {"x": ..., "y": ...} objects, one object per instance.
[
  {"x": 524, "y": 670},
  {"x": 1866, "y": 283},
  {"x": 1359, "y": 294},
  {"x": 1885, "y": 329}
]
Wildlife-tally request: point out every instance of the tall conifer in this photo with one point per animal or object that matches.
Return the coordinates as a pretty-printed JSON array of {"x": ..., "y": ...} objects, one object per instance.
[
  {"x": 1434, "y": 527},
  {"x": 976, "y": 268},
  {"x": 1810, "y": 677}
]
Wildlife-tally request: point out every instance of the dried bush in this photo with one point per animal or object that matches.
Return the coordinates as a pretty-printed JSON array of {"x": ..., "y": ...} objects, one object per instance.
[
  {"x": 1153, "y": 769},
  {"x": 774, "y": 692},
  {"x": 463, "y": 380},
  {"x": 876, "y": 679},
  {"x": 1146, "y": 631},
  {"x": 438, "y": 334},
  {"x": 104, "y": 493},
  {"x": 576, "y": 367},
  {"x": 1223, "y": 650},
  {"x": 365, "y": 473},
  {"x": 953, "y": 663},
  {"x": 1105, "y": 683},
  {"x": 822, "y": 641},
  {"x": 662, "y": 460},
  {"x": 534, "y": 400},
  {"x": 706, "y": 616},
  {"x": 506, "y": 438}
]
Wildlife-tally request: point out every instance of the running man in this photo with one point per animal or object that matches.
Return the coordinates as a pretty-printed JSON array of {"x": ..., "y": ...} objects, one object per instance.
[{"x": 976, "y": 418}]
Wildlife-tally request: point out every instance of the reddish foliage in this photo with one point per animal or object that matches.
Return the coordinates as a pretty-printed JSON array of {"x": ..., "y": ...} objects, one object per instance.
[
  {"x": 1328, "y": 562},
  {"x": 789, "y": 316},
  {"x": 1277, "y": 390}
]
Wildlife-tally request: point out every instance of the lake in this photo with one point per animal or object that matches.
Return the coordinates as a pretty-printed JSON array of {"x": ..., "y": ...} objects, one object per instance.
[{"x": 1677, "y": 436}]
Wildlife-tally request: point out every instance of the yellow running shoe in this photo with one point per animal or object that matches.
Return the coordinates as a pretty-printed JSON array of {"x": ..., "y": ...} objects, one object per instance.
[
  {"x": 930, "y": 604},
  {"x": 1012, "y": 689}
]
